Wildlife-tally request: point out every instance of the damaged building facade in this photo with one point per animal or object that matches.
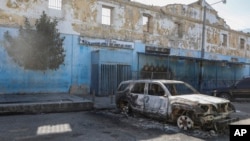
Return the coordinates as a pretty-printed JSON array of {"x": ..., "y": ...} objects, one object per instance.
[{"x": 107, "y": 41}]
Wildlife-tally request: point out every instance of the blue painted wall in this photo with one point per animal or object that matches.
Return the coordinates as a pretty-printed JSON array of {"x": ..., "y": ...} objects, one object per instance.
[
  {"x": 77, "y": 66},
  {"x": 76, "y": 69},
  {"x": 81, "y": 62}
]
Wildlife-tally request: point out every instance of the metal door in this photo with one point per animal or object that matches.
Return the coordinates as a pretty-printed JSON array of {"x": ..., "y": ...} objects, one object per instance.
[{"x": 111, "y": 75}]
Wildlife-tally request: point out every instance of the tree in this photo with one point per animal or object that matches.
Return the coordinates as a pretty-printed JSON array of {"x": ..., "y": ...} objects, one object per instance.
[{"x": 39, "y": 49}]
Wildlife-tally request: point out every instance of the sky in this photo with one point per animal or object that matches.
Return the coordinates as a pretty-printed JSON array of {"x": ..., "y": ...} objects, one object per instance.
[{"x": 236, "y": 13}]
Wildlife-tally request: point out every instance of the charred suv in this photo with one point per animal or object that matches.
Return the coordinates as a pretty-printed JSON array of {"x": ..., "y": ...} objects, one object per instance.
[{"x": 173, "y": 101}]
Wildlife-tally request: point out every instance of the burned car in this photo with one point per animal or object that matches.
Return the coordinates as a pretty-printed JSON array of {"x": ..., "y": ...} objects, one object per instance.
[{"x": 173, "y": 101}]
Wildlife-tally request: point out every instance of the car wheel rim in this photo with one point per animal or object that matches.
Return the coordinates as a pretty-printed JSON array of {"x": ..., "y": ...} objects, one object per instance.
[{"x": 184, "y": 122}]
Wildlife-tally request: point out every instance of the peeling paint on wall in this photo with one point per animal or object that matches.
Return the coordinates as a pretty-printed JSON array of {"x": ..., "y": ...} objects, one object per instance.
[{"x": 85, "y": 10}]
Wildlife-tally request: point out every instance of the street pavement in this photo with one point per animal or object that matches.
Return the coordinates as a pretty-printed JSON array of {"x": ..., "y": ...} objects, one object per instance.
[{"x": 101, "y": 119}]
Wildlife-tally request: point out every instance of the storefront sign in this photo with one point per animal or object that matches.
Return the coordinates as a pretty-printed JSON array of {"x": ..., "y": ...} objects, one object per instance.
[
  {"x": 106, "y": 43},
  {"x": 160, "y": 50}
]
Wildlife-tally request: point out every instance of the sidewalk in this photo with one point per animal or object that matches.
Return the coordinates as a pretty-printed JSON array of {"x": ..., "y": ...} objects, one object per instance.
[
  {"x": 48, "y": 103},
  {"x": 101, "y": 102}
]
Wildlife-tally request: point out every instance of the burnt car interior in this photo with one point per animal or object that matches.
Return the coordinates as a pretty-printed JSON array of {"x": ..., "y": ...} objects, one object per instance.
[
  {"x": 155, "y": 89},
  {"x": 138, "y": 88},
  {"x": 179, "y": 89}
]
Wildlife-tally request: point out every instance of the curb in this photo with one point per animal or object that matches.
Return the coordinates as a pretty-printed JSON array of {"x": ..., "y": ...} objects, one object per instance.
[{"x": 45, "y": 107}]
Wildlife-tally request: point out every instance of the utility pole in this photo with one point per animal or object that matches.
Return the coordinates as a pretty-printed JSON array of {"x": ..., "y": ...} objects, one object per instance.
[
  {"x": 200, "y": 77},
  {"x": 202, "y": 47}
]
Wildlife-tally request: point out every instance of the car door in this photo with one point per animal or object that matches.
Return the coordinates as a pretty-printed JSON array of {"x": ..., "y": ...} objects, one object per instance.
[
  {"x": 242, "y": 89},
  {"x": 155, "y": 100},
  {"x": 136, "y": 97}
]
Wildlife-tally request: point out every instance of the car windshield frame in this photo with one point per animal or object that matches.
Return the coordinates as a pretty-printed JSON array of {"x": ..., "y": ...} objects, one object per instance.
[
  {"x": 178, "y": 89},
  {"x": 123, "y": 86}
]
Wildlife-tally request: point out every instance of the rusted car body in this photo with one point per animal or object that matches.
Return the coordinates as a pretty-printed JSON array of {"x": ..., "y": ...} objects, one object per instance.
[{"x": 173, "y": 101}]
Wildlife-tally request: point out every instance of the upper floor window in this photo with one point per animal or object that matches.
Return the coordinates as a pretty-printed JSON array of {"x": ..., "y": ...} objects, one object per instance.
[
  {"x": 147, "y": 23},
  {"x": 242, "y": 43},
  {"x": 106, "y": 15},
  {"x": 55, "y": 4},
  {"x": 224, "y": 42},
  {"x": 145, "y": 20},
  {"x": 179, "y": 29}
]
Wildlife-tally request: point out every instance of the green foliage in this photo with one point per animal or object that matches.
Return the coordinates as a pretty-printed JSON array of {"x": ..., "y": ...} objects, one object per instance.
[{"x": 39, "y": 49}]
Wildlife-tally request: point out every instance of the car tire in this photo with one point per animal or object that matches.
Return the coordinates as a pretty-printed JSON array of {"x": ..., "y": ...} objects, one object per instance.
[
  {"x": 185, "y": 122},
  {"x": 225, "y": 96},
  {"x": 124, "y": 108}
]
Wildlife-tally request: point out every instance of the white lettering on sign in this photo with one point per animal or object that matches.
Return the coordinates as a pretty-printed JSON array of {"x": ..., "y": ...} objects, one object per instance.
[
  {"x": 240, "y": 132},
  {"x": 106, "y": 43}
]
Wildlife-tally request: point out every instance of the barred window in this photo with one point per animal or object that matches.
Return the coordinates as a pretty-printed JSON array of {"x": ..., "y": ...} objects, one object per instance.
[{"x": 55, "y": 4}]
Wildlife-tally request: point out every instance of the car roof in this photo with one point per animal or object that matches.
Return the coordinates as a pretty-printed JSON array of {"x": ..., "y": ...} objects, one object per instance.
[{"x": 152, "y": 80}]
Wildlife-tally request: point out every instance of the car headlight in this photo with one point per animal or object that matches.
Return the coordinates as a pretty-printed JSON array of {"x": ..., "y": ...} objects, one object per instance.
[{"x": 204, "y": 108}]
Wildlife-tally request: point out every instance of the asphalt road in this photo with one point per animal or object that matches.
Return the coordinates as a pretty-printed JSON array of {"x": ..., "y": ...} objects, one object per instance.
[
  {"x": 94, "y": 126},
  {"x": 105, "y": 125}
]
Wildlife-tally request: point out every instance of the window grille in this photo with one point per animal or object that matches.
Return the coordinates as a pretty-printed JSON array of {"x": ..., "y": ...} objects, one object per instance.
[{"x": 55, "y": 4}]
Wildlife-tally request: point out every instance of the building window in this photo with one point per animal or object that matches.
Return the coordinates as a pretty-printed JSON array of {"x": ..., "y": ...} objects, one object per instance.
[
  {"x": 106, "y": 15},
  {"x": 147, "y": 23},
  {"x": 179, "y": 27},
  {"x": 55, "y": 4},
  {"x": 224, "y": 42},
  {"x": 145, "y": 20},
  {"x": 242, "y": 43}
]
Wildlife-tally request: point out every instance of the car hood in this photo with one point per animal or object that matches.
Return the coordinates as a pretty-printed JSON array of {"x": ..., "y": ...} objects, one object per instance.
[{"x": 199, "y": 99}]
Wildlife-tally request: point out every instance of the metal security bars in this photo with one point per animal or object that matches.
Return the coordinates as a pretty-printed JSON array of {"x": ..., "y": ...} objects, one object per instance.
[
  {"x": 55, "y": 4},
  {"x": 106, "y": 77}
]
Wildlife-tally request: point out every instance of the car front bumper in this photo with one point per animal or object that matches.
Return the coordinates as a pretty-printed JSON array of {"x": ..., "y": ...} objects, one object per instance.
[
  {"x": 227, "y": 120},
  {"x": 222, "y": 124}
]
